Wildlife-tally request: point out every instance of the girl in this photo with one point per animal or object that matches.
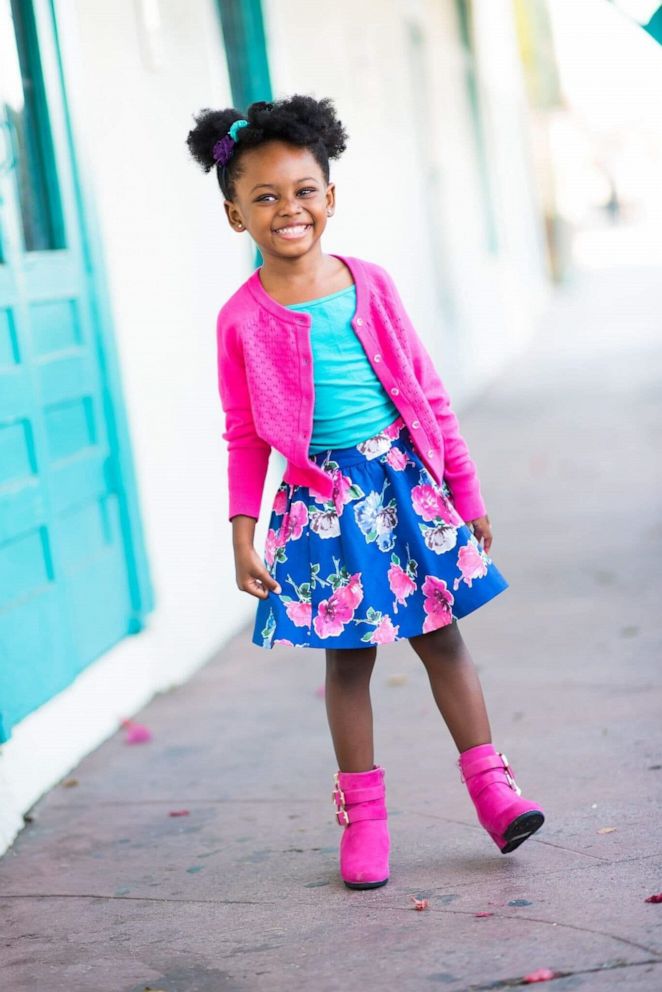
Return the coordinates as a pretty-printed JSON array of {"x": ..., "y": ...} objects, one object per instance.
[{"x": 377, "y": 531}]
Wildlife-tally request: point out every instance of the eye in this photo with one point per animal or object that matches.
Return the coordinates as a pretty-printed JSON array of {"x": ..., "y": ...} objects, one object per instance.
[{"x": 305, "y": 189}]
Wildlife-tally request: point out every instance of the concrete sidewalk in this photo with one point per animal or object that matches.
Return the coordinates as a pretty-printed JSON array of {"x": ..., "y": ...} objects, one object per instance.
[{"x": 104, "y": 891}]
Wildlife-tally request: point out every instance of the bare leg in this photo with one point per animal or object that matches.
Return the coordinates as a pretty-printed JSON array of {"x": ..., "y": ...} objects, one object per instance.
[
  {"x": 455, "y": 685},
  {"x": 348, "y": 706}
]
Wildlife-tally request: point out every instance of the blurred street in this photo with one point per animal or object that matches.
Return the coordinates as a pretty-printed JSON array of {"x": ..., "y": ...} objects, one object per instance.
[{"x": 104, "y": 891}]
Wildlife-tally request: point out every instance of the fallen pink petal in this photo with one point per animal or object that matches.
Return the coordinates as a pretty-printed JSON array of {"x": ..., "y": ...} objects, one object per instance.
[
  {"x": 541, "y": 975},
  {"x": 656, "y": 898},
  {"x": 481, "y": 915},
  {"x": 419, "y": 904},
  {"x": 136, "y": 733},
  {"x": 178, "y": 812}
]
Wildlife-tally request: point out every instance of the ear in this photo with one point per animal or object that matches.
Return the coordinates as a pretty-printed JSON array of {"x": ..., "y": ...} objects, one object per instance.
[
  {"x": 233, "y": 215},
  {"x": 330, "y": 199}
]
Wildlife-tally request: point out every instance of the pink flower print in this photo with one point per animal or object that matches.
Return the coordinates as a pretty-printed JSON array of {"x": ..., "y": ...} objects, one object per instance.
[
  {"x": 471, "y": 563},
  {"x": 280, "y": 502},
  {"x": 342, "y": 485},
  {"x": 397, "y": 459},
  {"x": 325, "y": 523},
  {"x": 429, "y": 503},
  {"x": 437, "y": 603},
  {"x": 402, "y": 585},
  {"x": 352, "y": 592},
  {"x": 294, "y": 521},
  {"x": 270, "y": 545},
  {"x": 384, "y": 632},
  {"x": 283, "y": 640},
  {"x": 299, "y": 613},
  {"x": 338, "y": 609},
  {"x": 333, "y": 613},
  {"x": 393, "y": 430}
]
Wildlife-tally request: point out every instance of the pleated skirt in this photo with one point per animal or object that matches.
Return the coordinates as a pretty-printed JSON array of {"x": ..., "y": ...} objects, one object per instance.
[{"x": 386, "y": 557}]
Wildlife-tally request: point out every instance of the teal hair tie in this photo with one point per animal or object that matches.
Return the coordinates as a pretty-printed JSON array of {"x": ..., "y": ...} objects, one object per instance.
[{"x": 235, "y": 127}]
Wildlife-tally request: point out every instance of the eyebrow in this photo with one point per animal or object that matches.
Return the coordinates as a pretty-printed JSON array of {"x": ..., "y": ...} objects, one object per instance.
[{"x": 273, "y": 184}]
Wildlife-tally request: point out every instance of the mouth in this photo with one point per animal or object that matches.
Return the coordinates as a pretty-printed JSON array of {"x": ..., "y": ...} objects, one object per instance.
[{"x": 293, "y": 231}]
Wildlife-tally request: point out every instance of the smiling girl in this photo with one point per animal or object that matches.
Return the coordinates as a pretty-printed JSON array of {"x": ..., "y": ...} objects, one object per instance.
[{"x": 377, "y": 531}]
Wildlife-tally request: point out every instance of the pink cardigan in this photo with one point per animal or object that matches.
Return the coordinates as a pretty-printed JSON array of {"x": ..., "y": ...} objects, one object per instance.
[{"x": 265, "y": 380}]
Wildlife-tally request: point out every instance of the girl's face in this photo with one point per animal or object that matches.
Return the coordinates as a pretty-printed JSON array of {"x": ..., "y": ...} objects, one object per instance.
[{"x": 281, "y": 199}]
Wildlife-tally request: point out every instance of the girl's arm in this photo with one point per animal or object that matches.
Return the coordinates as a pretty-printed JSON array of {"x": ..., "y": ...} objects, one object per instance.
[
  {"x": 251, "y": 574},
  {"x": 248, "y": 453},
  {"x": 248, "y": 460}
]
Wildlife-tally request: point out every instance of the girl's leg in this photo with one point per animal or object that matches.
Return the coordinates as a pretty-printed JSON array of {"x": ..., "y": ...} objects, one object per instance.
[
  {"x": 455, "y": 685},
  {"x": 348, "y": 706},
  {"x": 507, "y": 816}
]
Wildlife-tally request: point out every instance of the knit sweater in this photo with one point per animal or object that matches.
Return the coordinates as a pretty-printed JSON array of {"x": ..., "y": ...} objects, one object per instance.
[{"x": 266, "y": 388}]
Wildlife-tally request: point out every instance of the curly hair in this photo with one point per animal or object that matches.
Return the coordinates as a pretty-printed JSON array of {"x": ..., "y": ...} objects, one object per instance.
[{"x": 299, "y": 120}]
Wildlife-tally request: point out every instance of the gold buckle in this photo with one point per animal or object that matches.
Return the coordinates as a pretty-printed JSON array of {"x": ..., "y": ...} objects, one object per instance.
[
  {"x": 338, "y": 797},
  {"x": 509, "y": 775},
  {"x": 338, "y": 791}
]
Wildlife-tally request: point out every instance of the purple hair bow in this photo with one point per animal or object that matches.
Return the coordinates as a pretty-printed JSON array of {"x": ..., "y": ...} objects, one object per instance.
[{"x": 224, "y": 147}]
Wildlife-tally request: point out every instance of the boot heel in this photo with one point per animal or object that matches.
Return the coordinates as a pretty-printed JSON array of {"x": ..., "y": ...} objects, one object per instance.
[
  {"x": 521, "y": 829},
  {"x": 506, "y": 815}
]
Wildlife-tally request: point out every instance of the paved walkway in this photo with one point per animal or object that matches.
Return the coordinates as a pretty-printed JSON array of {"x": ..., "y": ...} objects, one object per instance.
[{"x": 106, "y": 892}]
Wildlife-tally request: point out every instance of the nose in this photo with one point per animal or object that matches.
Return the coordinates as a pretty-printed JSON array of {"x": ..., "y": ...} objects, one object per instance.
[{"x": 290, "y": 205}]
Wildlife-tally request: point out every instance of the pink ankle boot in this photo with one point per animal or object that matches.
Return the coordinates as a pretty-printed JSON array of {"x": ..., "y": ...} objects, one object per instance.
[
  {"x": 365, "y": 843},
  {"x": 508, "y": 818}
]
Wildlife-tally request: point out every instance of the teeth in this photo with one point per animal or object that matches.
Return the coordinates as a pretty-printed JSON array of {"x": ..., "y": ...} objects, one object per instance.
[{"x": 289, "y": 230}]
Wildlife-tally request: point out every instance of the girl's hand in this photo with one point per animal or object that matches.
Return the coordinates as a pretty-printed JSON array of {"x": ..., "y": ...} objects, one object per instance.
[
  {"x": 252, "y": 576},
  {"x": 482, "y": 530}
]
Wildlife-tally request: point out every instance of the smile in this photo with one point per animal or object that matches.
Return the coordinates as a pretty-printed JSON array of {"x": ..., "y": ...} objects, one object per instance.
[{"x": 292, "y": 232}]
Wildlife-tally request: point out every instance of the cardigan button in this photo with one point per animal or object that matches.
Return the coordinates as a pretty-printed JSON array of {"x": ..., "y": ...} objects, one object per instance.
[
  {"x": 395, "y": 391},
  {"x": 415, "y": 423},
  {"x": 359, "y": 320},
  {"x": 430, "y": 452},
  {"x": 378, "y": 357}
]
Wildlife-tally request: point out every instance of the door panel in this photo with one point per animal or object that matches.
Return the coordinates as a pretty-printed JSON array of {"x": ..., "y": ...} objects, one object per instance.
[{"x": 66, "y": 589}]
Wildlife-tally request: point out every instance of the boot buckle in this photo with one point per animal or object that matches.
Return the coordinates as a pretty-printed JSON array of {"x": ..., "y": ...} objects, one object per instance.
[
  {"x": 509, "y": 774},
  {"x": 338, "y": 797}
]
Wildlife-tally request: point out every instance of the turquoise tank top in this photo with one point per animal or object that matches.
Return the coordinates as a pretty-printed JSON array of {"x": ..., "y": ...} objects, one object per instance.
[{"x": 350, "y": 402}]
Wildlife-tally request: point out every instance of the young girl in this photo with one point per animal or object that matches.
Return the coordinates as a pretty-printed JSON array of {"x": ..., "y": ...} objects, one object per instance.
[{"x": 377, "y": 531}]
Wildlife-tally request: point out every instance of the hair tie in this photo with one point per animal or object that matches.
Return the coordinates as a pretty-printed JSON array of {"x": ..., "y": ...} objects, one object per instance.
[{"x": 224, "y": 147}]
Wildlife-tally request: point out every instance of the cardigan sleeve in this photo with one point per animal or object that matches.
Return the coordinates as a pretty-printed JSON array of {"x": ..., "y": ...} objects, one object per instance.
[
  {"x": 460, "y": 470},
  {"x": 248, "y": 453}
]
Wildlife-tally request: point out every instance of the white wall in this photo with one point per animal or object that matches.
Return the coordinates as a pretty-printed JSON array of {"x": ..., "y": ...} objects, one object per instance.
[{"x": 408, "y": 186}]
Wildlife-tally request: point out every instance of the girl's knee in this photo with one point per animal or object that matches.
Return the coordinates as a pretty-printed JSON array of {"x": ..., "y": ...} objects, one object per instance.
[
  {"x": 350, "y": 663},
  {"x": 445, "y": 640}
]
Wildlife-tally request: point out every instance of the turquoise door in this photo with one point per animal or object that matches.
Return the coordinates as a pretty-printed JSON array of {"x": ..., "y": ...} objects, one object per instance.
[{"x": 73, "y": 578}]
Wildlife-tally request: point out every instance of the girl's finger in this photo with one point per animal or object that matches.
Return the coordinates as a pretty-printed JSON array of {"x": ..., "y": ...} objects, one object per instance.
[{"x": 267, "y": 582}]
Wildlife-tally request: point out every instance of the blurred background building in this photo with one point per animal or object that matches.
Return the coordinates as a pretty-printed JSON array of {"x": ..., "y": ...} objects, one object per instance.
[{"x": 470, "y": 174}]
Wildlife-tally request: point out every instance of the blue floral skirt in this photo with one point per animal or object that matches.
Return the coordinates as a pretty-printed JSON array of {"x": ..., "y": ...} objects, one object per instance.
[{"x": 386, "y": 557}]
